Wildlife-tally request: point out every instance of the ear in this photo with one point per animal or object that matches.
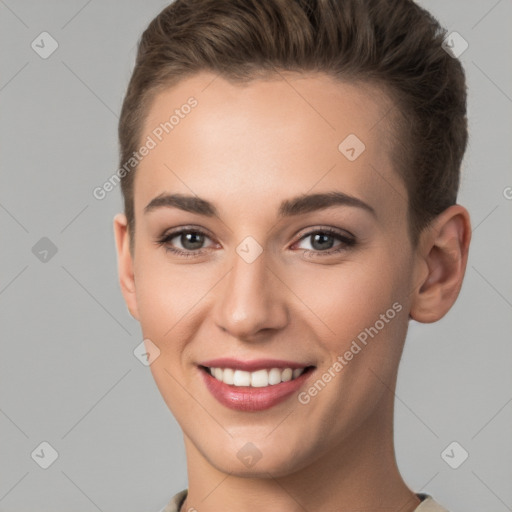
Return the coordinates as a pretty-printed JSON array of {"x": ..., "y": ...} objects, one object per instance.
[
  {"x": 125, "y": 263},
  {"x": 442, "y": 257}
]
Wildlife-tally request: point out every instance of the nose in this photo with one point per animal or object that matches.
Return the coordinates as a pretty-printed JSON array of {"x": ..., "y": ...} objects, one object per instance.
[{"x": 251, "y": 300}]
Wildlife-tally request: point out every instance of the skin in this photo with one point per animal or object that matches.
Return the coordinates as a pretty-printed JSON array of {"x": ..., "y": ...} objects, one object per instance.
[{"x": 246, "y": 148}]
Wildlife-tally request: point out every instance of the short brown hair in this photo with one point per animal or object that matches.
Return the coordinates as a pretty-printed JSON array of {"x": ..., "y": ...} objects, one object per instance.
[{"x": 394, "y": 44}]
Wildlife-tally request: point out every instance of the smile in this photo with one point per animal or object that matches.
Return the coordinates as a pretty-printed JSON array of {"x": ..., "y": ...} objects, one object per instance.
[{"x": 253, "y": 386}]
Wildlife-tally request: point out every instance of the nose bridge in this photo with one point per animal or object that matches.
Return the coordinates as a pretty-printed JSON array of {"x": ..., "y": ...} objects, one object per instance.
[{"x": 251, "y": 299}]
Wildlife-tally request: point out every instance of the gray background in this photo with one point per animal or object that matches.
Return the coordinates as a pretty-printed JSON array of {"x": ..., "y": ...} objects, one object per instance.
[{"x": 67, "y": 369}]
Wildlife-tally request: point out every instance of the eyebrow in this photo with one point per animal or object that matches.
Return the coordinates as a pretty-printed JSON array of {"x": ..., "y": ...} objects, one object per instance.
[{"x": 305, "y": 203}]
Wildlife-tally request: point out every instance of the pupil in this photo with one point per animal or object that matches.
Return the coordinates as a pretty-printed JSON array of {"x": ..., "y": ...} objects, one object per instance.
[
  {"x": 192, "y": 240},
  {"x": 323, "y": 237}
]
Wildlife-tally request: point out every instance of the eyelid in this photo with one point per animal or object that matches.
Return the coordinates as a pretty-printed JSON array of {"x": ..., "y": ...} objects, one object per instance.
[
  {"x": 186, "y": 227},
  {"x": 310, "y": 230},
  {"x": 174, "y": 232}
]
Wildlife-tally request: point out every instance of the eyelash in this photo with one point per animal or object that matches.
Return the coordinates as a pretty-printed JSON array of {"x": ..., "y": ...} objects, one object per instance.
[{"x": 347, "y": 242}]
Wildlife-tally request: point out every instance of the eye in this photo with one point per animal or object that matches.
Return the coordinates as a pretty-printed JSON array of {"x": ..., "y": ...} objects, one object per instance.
[
  {"x": 190, "y": 239},
  {"x": 322, "y": 241}
]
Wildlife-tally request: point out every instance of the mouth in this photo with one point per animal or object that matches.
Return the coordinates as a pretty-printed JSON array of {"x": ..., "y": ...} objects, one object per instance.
[{"x": 269, "y": 383}]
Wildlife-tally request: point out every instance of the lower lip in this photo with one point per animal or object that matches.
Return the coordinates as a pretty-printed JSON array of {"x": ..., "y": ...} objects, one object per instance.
[{"x": 248, "y": 398}]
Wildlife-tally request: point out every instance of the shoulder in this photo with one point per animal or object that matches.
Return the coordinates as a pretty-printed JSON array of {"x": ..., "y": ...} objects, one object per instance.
[
  {"x": 428, "y": 504},
  {"x": 176, "y": 502}
]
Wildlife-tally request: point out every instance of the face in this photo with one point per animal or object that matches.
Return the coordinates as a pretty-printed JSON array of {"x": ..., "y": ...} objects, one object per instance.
[{"x": 272, "y": 245}]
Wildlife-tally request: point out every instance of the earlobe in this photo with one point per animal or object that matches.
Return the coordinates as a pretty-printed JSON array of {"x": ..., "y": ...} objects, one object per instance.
[
  {"x": 125, "y": 264},
  {"x": 443, "y": 253}
]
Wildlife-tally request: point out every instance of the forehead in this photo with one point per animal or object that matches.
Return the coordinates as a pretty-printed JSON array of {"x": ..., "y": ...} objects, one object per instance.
[{"x": 247, "y": 144}]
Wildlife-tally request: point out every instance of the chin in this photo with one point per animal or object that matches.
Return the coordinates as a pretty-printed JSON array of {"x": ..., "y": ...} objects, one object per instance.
[{"x": 258, "y": 459}]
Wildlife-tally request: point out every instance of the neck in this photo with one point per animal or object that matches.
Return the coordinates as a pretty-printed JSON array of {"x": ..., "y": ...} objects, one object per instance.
[{"x": 360, "y": 473}]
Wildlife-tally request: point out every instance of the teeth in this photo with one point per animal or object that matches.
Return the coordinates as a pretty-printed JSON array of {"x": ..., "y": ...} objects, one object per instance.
[
  {"x": 274, "y": 376},
  {"x": 240, "y": 378},
  {"x": 287, "y": 374},
  {"x": 257, "y": 379},
  {"x": 227, "y": 376}
]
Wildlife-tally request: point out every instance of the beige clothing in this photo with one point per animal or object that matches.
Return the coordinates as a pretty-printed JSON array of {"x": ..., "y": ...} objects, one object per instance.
[{"x": 427, "y": 504}]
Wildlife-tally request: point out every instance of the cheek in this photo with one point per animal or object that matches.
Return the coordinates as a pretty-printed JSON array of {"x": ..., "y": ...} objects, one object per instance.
[
  {"x": 347, "y": 298},
  {"x": 171, "y": 301},
  {"x": 165, "y": 299},
  {"x": 164, "y": 293},
  {"x": 365, "y": 311}
]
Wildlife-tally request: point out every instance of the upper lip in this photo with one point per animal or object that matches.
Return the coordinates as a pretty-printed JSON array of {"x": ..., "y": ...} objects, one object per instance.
[{"x": 253, "y": 365}]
